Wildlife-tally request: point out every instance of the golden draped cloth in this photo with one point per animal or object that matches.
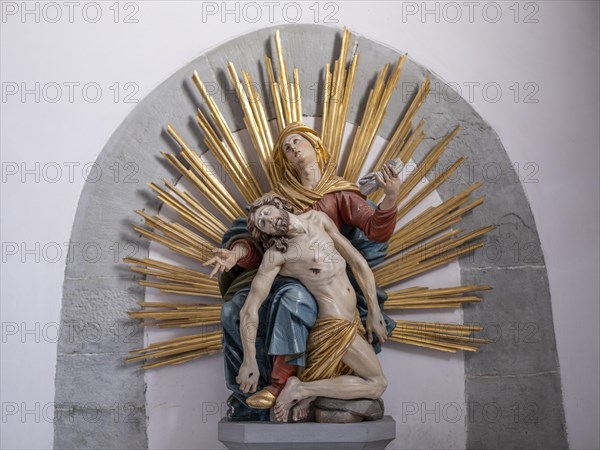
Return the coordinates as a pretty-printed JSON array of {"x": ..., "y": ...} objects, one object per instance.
[
  {"x": 328, "y": 341},
  {"x": 289, "y": 185}
]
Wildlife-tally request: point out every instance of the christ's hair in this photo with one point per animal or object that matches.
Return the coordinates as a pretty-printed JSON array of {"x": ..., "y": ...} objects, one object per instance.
[{"x": 267, "y": 241}]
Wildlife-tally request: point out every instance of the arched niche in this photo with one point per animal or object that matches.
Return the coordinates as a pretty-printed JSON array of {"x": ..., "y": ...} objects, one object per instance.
[{"x": 512, "y": 390}]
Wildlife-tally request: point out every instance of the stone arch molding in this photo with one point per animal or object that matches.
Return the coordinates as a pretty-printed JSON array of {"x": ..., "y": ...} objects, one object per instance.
[{"x": 101, "y": 401}]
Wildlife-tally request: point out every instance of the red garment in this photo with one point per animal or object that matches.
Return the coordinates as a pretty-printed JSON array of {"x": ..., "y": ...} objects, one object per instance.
[
  {"x": 347, "y": 207},
  {"x": 343, "y": 207},
  {"x": 280, "y": 374},
  {"x": 252, "y": 259}
]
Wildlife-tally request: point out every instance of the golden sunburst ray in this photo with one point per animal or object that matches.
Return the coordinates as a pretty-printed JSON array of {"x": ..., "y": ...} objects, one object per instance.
[
  {"x": 175, "y": 237},
  {"x": 422, "y": 244},
  {"x": 336, "y": 100},
  {"x": 431, "y": 254},
  {"x": 182, "y": 315},
  {"x": 436, "y": 182},
  {"x": 179, "y": 350},
  {"x": 176, "y": 279},
  {"x": 407, "y": 140},
  {"x": 227, "y": 151},
  {"x": 290, "y": 97},
  {"x": 422, "y": 297},
  {"x": 438, "y": 336},
  {"x": 425, "y": 166},
  {"x": 203, "y": 179},
  {"x": 399, "y": 144},
  {"x": 378, "y": 100},
  {"x": 190, "y": 211},
  {"x": 433, "y": 220},
  {"x": 255, "y": 120}
]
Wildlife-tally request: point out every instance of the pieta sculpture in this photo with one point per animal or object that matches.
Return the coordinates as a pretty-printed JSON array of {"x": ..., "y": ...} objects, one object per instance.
[
  {"x": 304, "y": 262},
  {"x": 311, "y": 249}
]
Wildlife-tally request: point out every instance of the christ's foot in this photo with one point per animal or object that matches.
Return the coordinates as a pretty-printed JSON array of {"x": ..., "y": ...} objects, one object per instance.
[
  {"x": 288, "y": 397},
  {"x": 302, "y": 409}
]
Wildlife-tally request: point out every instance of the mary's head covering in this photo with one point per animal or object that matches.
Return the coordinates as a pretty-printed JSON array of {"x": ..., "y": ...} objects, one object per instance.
[
  {"x": 311, "y": 136},
  {"x": 289, "y": 185}
]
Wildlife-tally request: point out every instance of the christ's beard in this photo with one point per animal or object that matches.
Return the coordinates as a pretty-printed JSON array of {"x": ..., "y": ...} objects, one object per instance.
[{"x": 282, "y": 228}]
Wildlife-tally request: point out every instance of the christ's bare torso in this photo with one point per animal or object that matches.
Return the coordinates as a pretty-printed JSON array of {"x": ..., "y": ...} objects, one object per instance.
[
  {"x": 313, "y": 259},
  {"x": 316, "y": 255}
]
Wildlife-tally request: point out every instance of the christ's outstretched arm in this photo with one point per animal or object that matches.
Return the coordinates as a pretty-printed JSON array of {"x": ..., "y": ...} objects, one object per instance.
[{"x": 261, "y": 285}]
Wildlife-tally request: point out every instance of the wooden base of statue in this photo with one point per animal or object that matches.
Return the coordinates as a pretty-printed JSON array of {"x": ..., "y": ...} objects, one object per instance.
[{"x": 375, "y": 434}]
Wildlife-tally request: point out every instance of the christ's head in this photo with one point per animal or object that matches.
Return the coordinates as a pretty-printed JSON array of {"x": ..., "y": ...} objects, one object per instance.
[{"x": 269, "y": 221}]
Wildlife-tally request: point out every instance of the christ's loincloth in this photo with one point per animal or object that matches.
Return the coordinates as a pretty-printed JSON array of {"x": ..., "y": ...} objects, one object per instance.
[{"x": 327, "y": 344}]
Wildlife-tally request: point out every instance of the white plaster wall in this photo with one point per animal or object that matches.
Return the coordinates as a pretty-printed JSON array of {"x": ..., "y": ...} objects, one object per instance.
[{"x": 559, "y": 134}]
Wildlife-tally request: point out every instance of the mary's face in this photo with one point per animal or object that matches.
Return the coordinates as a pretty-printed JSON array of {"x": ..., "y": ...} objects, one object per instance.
[{"x": 298, "y": 150}]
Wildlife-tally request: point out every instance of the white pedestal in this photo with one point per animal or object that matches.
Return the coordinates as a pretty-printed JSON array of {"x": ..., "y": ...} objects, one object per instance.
[{"x": 269, "y": 435}]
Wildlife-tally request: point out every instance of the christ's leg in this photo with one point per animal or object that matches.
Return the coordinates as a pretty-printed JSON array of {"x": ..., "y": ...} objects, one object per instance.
[{"x": 368, "y": 381}]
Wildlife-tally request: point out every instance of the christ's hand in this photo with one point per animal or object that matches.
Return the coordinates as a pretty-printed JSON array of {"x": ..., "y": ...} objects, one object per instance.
[
  {"x": 248, "y": 376},
  {"x": 376, "y": 324}
]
